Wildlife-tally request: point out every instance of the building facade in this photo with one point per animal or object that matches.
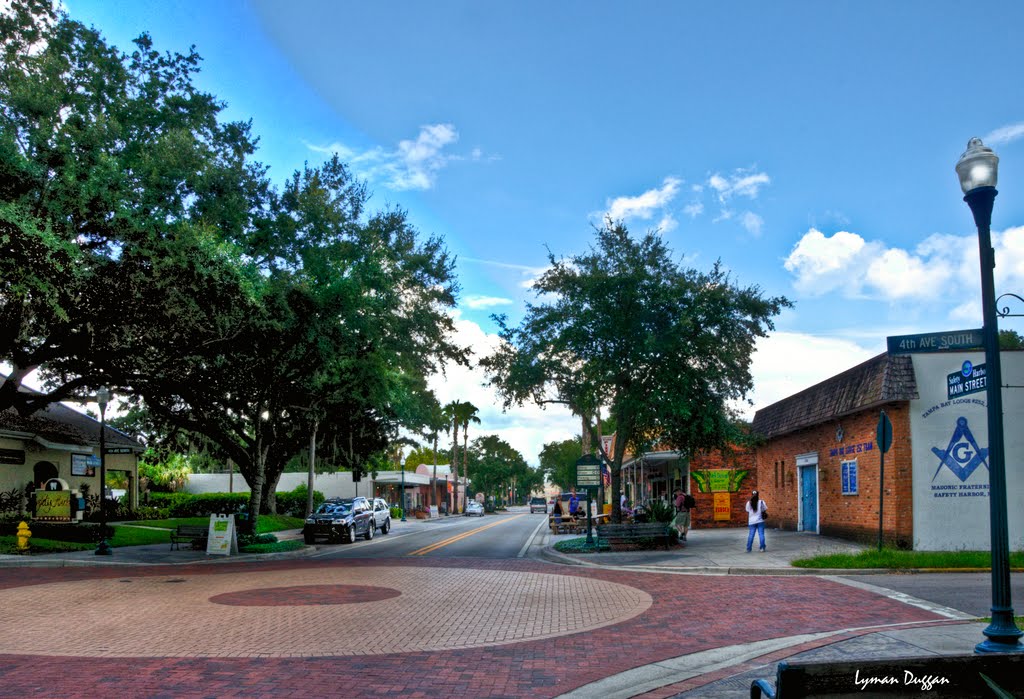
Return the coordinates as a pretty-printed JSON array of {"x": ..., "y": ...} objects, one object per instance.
[{"x": 820, "y": 467}]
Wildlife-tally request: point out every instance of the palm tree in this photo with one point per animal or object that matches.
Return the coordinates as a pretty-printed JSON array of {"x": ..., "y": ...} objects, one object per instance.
[
  {"x": 450, "y": 413},
  {"x": 466, "y": 413}
]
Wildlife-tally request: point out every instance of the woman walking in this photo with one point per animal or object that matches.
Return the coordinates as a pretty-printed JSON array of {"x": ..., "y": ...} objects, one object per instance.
[{"x": 756, "y": 512}]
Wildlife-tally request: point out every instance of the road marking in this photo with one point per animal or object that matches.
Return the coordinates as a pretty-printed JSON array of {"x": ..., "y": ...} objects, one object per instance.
[
  {"x": 529, "y": 540},
  {"x": 460, "y": 537}
]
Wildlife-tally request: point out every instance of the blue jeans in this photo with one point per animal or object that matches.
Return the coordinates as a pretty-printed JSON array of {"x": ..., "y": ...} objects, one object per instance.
[{"x": 759, "y": 528}]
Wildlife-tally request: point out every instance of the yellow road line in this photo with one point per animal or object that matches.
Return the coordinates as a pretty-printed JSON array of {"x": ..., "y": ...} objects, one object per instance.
[{"x": 459, "y": 537}]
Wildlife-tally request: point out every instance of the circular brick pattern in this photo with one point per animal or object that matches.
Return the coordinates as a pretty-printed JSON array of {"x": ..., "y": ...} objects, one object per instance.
[
  {"x": 297, "y": 595},
  {"x": 426, "y": 609}
]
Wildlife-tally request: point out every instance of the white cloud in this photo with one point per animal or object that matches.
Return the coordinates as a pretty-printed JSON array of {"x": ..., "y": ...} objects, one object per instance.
[
  {"x": 742, "y": 182},
  {"x": 777, "y": 376},
  {"x": 645, "y": 205},
  {"x": 1004, "y": 134},
  {"x": 413, "y": 164},
  {"x": 481, "y": 302},
  {"x": 941, "y": 269},
  {"x": 694, "y": 209},
  {"x": 752, "y": 222},
  {"x": 527, "y": 428},
  {"x": 822, "y": 264},
  {"x": 667, "y": 223}
]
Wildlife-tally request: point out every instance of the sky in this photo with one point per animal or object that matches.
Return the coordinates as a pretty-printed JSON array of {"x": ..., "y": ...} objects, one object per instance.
[{"x": 810, "y": 147}]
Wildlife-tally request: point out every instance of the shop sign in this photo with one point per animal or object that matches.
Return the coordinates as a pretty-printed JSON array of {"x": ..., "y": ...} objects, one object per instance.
[
  {"x": 84, "y": 465},
  {"x": 221, "y": 538},
  {"x": 588, "y": 472},
  {"x": 723, "y": 508}
]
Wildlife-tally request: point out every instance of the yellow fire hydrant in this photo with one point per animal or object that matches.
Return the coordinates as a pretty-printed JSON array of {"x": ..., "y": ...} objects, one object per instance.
[{"x": 23, "y": 536}]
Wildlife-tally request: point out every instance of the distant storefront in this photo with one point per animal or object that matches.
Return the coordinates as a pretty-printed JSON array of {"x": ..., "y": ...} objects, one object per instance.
[
  {"x": 61, "y": 444},
  {"x": 819, "y": 464}
]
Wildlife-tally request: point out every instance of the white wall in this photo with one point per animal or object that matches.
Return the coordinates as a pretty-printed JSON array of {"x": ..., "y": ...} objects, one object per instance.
[
  {"x": 332, "y": 485},
  {"x": 951, "y": 510}
]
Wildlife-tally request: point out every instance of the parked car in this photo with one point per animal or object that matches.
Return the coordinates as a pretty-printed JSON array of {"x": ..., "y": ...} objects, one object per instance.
[
  {"x": 474, "y": 508},
  {"x": 382, "y": 515},
  {"x": 340, "y": 519},
  {"x": 538, "y": 505}
]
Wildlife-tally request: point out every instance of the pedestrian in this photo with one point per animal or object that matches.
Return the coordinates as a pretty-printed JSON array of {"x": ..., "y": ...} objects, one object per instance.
[
  {"x": 757, "y": 511},
  {"x": 556, "y": 511},
  {"x": 682, "y": 519},
  {"x": 574, "y": 503}
]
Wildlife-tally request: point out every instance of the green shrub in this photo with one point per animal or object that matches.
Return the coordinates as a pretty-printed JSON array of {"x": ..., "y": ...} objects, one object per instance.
[
  {"x": 276, "y": 547},
  {"x": 396, "y": 512},
  {"x": 659, "y": 511},
  {"x": 83, "y": 532},
  {"x": 254, "y": 539},
  {"x": 202, "y": 505},
  {"x": 294, "y": 502}
]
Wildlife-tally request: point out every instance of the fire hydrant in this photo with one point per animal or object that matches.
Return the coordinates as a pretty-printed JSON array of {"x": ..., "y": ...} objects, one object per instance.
[{"x": 23, "y": 536}]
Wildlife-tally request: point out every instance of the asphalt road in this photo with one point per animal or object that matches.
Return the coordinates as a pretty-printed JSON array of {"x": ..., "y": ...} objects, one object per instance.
[
  {"x": 967, "y": 592},
  {"x": 499, "y": 535}
]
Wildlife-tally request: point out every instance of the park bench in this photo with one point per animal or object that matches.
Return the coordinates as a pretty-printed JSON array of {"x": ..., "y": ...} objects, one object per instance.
[
  {"x": 567, "y": 525},
  {"x": 931, "y": 676},
  {"x": 194, "y": 534},
  {"x": 612, "y": 534}
]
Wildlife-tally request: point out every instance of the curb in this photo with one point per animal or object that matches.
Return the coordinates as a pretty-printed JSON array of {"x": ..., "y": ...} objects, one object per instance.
[{"x": 22, "y": 562}]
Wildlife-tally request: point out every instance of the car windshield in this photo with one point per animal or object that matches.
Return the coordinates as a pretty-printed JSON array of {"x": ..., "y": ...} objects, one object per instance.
[{"x": 341, "y": 508}]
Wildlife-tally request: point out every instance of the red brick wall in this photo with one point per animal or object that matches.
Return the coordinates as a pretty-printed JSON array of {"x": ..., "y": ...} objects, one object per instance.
[
  {"x": 703, "y": 517},
  {"x": 846, "y": 516}
]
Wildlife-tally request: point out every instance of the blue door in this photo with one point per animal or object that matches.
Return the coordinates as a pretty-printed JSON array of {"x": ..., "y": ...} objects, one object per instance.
[{"x": 809, "y": 498}]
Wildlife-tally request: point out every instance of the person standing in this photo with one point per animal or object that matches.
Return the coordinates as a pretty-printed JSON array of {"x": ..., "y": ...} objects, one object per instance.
[
  {"x": 682, "y": 519},
  {"x": 757, "y": 510},
  {"x": 574, "y": 503}
]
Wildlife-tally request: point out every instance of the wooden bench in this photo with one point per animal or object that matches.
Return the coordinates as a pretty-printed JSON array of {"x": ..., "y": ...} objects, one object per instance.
[
  {"x": 567, "y": 525},
  {"x": 612, "y": 534},
  {"x": 931, "y": 676},
  {"x": 194, "y": 534}
]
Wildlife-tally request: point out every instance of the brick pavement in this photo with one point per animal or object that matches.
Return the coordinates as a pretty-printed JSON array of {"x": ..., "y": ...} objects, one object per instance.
[{"x": 686, "y": 614}]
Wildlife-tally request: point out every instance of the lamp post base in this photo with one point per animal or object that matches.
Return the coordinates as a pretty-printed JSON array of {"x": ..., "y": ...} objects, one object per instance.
[
  {"x": 991, "y": 646},
  {"x": 104, "y": 549}
]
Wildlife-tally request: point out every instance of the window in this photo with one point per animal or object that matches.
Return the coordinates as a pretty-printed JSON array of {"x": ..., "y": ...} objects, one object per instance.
[{"x": 849, "y": 477}]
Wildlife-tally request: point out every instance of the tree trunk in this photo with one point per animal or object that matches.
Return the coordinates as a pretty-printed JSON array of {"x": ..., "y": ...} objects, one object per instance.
[
  {"x": 455, "y": 466},
  {"x": 311, "y": 480},
  {"x": 465, "y": 458}
]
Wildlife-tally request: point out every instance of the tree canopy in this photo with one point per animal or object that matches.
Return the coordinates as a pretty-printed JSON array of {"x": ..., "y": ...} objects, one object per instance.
[{"x": 624, "y": 326}]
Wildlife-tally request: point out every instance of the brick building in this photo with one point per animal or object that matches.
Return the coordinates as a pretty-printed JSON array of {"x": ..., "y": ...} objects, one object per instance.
[{"x": 818, "y": 466}]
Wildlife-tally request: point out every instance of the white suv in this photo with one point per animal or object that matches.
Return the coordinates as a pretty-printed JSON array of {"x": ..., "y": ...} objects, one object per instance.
[{"x": 382, "y": 515}]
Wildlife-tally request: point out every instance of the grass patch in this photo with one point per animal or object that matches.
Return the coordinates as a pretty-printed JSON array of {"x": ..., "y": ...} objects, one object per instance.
[
  {"x": 123, "y": 536},
  {"x": 265, "y": 524},
  {"x": 578, "y": 545},
  {"x": 276, "y": 547},
  {"x": 900, "y": 560}
]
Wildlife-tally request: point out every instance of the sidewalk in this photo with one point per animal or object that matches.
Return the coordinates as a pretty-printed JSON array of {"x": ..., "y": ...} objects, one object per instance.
[
  {"x": 719, "y": 672},
  {"x": 727, "y": 672}
]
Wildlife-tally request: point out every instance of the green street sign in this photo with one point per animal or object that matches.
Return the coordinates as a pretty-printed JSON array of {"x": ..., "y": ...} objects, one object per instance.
[
  {"x": 588, "y": 472},
  {"x": 934, "y": 342}
]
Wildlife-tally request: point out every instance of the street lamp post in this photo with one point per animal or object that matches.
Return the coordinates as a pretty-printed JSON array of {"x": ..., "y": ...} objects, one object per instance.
[
  {"x": 403, "y": 489},
  {"x": 978, "y": 170},
  {"x": 102, "y": 398}
]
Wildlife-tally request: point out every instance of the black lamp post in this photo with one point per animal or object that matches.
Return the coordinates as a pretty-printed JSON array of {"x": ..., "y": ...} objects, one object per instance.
[
  {"x": 102, "y": 398},
  {"x": 978, "y": 170},
  {"x": 404, "y": 503}
]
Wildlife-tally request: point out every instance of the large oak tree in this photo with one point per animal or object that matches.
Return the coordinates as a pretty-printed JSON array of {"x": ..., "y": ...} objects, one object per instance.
[{"x": 624, "y": 326}]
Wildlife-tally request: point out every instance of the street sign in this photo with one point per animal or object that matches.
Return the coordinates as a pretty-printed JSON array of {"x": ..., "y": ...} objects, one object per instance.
[
  {"x": 970, "y": 379},
  {"x": 884, "y": 432},
  {"x": 588, "y": 472},
  {"x": 934, "y": 342}
]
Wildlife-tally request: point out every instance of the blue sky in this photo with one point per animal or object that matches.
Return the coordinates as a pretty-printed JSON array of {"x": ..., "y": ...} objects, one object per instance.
[{"x": 809, "y": 146}]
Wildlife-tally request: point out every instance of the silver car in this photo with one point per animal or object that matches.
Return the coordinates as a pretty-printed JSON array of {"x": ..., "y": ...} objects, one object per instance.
[{"x": 474, "y": 508}]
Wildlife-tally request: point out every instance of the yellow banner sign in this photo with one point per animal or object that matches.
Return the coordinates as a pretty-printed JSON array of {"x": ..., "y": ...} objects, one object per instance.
[
  {"x": 53, "y": 505},
  {"x": 723, "y": 509}
]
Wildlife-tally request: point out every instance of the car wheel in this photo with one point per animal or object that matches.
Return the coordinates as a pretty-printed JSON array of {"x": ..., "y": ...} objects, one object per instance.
[
  {"x": 369, "y": 530},
  {"x": 352, "y": 534},
  {"x": 387, "y": 526}
]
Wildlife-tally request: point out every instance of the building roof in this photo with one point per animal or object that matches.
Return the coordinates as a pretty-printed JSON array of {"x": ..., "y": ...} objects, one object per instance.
[
  {"x": 59, "y": 427},
  {"x": 880, "y": 380}
]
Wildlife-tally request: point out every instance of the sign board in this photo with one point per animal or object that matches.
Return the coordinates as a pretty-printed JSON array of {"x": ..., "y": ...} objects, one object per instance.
[
  {"x": 718, "y": 480},
  {"x": 84, "y": 465},
  {"x": 588, "y": 472},
  {"x": 934, "y": 342},
  {"x": 119, "y": 450},
  {"x": 884, "y": 433},
  {"x": 222, "y": 539},
  {"x": 606, "y": 443},
  {"x": 970, "y": 379},
  {"x": 723, "y": 508}
]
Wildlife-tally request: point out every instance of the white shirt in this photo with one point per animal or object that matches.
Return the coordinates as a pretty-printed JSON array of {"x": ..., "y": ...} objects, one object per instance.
[{"x": 756, "y": 517}]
